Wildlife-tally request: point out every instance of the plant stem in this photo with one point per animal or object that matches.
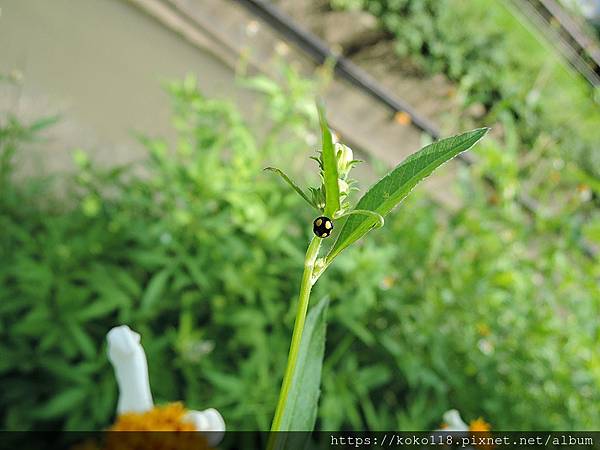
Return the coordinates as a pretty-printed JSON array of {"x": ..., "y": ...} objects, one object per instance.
[{"x": 303, "y": 300}]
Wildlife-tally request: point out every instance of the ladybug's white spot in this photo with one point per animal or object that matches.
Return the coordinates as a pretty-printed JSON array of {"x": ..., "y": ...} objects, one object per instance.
[
  {"x": 328, "y": 225},
  {"x": 318, "y": 222}
]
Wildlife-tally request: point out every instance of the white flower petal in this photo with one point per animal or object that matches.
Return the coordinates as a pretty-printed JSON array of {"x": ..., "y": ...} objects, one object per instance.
[
  {"x": 454, "y": 422},
  {"x": 131, "y": 370},
  {"x": 208, "y": 420}
]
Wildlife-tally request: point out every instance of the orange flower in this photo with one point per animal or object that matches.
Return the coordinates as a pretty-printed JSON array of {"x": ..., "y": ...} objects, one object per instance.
[
  {"x": 171, "y": 417},
  {"x": 480, "y": 428},
  {"x": 479, "y": 425}
]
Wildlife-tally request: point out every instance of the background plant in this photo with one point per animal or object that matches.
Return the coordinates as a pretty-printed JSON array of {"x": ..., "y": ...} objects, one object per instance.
[
  {"x": 488, "y": 308},
  {"x": 500, "y": 64}
]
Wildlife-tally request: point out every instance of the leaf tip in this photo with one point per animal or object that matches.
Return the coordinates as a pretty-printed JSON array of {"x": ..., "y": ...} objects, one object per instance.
[
  {"x": 484, "y": 130},
  {"x": 320, "y": 104}
]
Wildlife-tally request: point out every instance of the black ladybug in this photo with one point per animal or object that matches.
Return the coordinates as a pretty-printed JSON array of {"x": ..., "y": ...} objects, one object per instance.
[{"x": 322, "y": 226}]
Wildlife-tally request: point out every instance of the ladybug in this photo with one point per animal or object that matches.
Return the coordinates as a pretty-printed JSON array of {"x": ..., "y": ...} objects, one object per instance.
[{"x": 322, "y": 226}]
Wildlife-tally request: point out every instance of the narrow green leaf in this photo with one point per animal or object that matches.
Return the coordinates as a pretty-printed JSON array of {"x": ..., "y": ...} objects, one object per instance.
[
  {"x": 83, "y": 340},
  {"x": 105, "y": 399},
  {"x": 196, "y": 273},
  {"x": 262, "y": 84},
  {"x": 65, "y": 370},
  {"x": 384, "y": 195},
  {"x": 43, "y": 123},
  {"x": 125, "y": 280},
  {"x": 330, "y": 173},
  {"x": 63, "y": 403},
  {"x": 149, "y": 259},
  {"x": 95, "y": 310},
  {"x": 293, "y": 185},
  {"x": 155, "y": 289},
  {"x": 303, "y": 399}
]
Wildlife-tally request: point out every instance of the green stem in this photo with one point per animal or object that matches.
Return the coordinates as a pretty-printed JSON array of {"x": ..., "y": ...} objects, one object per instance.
[{"x": 303, "y": 299}]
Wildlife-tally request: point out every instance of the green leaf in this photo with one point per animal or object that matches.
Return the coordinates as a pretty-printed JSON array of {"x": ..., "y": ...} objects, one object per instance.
[
  {"x": 125, "y": 280},
  {"x": 384, "y": 195},
  {"x": 85, "y": 343},
  {"x": 303, "y": 398},
  {"x": 261, "y": 84},
  {"x": 155, "y": 289},
  {"x": 293, "y": 185},
  {"x": 330, "y": 173},
  {"x": 101, "y": 308},
  {"x": 62, "y": 403},
  {"x": 43, "y": 123}
]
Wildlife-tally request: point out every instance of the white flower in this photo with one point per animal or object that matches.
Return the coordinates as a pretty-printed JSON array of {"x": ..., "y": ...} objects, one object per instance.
[
  {"x": 454, "y": 422},
  {"x": 131, "y": 369},
  {"x": 455, "y": 427},
  {"x": 208, "y": 420}
]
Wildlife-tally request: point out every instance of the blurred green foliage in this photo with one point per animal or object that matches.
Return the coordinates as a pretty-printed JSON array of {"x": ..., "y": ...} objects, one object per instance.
[
  {"x": 488, "y": 309},
  {"x": 196, "y": 255},
  {"x": 499, "y": 62}
]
